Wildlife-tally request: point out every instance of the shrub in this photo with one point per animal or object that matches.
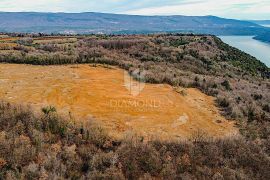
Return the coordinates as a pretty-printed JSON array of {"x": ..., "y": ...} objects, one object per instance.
[
  {"x": 227, "y": 85},
  {"x": 48, "y": 110},
  {"x": 266, "y": 108},
  {"x": 223, "y": 102},
  {"x": 257, "y": 96}
]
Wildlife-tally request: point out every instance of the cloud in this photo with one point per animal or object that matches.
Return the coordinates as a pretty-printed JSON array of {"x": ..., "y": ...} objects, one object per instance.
[
  {"x": 79, "y": 5},
  {"x": 31, "y": 5},
  {"x": 241, "y": 9}
]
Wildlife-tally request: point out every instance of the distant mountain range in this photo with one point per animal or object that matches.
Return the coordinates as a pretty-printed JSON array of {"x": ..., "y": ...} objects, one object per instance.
[
  {"x": 261, "y": 22},
  {"x": 87, "y": 23}
]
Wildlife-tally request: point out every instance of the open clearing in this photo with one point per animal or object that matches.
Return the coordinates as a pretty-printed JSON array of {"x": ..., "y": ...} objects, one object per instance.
[{"x": 98, "y": 94}]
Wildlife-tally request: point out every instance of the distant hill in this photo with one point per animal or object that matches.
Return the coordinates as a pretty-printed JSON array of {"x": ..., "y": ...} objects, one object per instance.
[
  {"x": 265, "y": 37},
  {"x": 262, "y": 22},
  {"x": 87, "y": 23}
]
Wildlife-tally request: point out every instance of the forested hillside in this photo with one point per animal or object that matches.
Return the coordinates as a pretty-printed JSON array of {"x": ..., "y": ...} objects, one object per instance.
[{"x": 265, "y": 37}]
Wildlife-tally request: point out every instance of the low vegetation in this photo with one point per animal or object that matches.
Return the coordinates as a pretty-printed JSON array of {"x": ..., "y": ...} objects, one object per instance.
[
  {"x": 47, "y": 146},
  {"x": 239, "y": 82}
]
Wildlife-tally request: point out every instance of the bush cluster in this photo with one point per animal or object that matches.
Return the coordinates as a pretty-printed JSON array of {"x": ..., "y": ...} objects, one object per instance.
[{"x": 50, "y": 147}]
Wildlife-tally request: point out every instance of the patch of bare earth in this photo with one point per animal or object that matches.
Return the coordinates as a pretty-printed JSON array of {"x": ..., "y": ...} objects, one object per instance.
[{"x": 85, "y": 93}]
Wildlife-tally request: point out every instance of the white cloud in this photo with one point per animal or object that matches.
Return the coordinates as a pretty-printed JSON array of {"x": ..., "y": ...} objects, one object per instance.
[
  {"x": 240, "y": 9},
  {"x": 32, "y": 5}
]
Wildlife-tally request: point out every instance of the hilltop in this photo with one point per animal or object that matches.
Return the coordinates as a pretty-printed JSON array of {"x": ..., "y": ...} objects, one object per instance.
[
  {"x": 200, "y": 61},
  {"x": 44, "y": 144}
]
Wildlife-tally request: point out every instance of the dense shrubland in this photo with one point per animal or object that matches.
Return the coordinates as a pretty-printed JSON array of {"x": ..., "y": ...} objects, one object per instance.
[
  {"x": 50, "y": 147},
  {"x": 239, "y": 82}
]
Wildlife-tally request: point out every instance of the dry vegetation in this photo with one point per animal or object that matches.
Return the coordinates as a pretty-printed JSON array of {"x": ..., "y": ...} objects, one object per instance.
[
  {"x": 49, "y": 147},
  {"x": 238, "y": 81}
]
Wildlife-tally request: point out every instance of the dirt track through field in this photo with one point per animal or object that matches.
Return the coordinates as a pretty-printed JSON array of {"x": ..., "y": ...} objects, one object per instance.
[{"x": 88, "y": 93}]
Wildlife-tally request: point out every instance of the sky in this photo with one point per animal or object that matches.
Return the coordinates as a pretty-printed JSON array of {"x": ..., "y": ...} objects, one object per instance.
[{"x": 237, "y": 9}]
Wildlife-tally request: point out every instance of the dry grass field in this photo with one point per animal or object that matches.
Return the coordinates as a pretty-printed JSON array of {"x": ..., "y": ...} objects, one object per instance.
[
  {"x": 96, "y": 93},
  {"x": 60, "y": 40}
]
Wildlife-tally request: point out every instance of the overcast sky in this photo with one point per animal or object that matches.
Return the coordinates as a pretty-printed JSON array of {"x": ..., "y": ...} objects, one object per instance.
[{"x": 238, "y": 9}]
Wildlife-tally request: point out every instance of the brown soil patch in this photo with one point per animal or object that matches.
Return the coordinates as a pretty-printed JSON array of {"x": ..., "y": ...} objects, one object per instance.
[
  {"x": 99, "y": 93},
  {"x": 8, "y": 39},
  {"x": 7, "y": 45}
]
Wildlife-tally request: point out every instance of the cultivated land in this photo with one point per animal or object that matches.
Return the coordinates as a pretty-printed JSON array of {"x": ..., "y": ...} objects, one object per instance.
[
  {"x": 199, "y": 74},
  {"x": 96, "y": 93}
]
